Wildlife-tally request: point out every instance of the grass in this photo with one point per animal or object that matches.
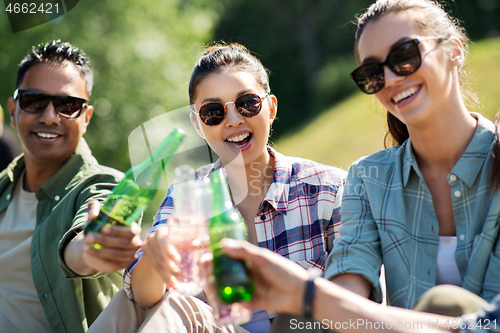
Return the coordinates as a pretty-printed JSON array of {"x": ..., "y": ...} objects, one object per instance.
[{"x": 356, "y": 126}]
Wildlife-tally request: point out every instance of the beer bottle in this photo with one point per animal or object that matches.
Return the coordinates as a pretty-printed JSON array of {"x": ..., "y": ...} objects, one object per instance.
[
  {"x": 233, "y": 281},
  {"x": 132, "y": 195}
]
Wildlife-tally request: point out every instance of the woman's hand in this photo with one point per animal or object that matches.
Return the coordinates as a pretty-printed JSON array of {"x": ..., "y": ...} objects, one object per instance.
[{"x": 159, "y": 253}]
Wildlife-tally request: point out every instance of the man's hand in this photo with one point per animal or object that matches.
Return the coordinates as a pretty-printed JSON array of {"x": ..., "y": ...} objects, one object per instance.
[
  {"x": 118, "y": 247},
  {"x": 279, "y": 282}
]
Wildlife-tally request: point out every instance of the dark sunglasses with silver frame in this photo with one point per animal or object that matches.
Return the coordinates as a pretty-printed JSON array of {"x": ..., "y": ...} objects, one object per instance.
[
  {"x": 213, "y": 113},
  {"x": 34, "y": 101},
  {"x": 402, "y": 60}
]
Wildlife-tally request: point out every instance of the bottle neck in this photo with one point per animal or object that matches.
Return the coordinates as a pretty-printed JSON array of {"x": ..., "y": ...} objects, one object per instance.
[
  {"x": 147, "y": 173},
  {"x": 222, "y": 197}
]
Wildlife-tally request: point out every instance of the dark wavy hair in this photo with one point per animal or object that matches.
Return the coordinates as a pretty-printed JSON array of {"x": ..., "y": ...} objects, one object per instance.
[{"x": 57, "y": 52}]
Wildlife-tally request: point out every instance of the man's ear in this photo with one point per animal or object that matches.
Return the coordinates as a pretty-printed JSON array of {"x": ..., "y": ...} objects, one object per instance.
[
  {"x": 11, "y": 106},
  {"x": 195, "y": 120},
  {"x": 88, "y": 115}
]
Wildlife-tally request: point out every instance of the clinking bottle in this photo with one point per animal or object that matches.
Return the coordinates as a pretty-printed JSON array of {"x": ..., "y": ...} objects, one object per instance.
[
  {"x": 233, "y": 280},
  {"x": 133, "y": 194}
]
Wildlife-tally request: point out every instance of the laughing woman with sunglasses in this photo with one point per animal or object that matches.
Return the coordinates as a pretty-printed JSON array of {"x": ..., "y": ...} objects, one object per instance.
[
  {"x": 429, "y": 207},
  {"x": 290, "y": 205}
]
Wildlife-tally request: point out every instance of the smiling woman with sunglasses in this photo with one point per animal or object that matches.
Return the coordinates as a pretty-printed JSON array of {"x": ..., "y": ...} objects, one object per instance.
[
  {"x": 429, "y": 207},
  {"x": 290, "y": 205}
]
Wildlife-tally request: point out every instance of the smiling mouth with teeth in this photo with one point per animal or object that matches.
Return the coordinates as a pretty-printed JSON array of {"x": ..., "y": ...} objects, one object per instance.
[
  {"x": 239, "y": 138},
  {"x": 405, "y": 94},
  {"x": 47, "y": 135}
]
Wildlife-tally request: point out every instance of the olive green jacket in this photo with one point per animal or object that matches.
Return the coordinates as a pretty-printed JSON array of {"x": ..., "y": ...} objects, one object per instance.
[{"x": 71, "y": 302}]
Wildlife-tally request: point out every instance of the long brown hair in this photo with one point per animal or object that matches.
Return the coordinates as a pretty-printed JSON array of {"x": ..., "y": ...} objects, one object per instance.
[{"x": 435, "y": 18}]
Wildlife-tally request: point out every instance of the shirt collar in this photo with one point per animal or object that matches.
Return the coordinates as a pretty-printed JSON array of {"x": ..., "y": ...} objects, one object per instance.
[
  {"x": 277, "y": 195},
  {"x": 56, "y": 185},
  {"x": 472, "y": 160}
]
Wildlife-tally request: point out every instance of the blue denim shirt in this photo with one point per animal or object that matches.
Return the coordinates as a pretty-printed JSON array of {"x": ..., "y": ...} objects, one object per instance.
[{"x": 388, "y": 218}]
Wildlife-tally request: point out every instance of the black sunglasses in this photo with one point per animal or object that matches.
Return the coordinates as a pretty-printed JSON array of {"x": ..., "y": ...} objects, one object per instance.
[
  {"x": 34, "y": 101},
  {"x": 213, "y": 113},
  {"x": 403, "y": 60}
]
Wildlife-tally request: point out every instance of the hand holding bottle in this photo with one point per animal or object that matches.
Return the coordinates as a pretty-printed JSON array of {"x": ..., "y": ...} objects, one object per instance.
[
  {"x": 119, "y": 245},
  {"x": 279, "y": 282}
]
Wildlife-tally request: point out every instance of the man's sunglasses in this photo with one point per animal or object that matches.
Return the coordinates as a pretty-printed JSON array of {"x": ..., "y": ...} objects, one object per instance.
[
  {"x": 403, "y": 60},
  {"x": 213, "y": 113},
  {"x": 34, "y": 101}
]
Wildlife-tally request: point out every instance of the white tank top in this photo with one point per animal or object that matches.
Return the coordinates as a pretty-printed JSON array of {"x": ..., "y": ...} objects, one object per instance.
[{"x": 447, "y": 269}]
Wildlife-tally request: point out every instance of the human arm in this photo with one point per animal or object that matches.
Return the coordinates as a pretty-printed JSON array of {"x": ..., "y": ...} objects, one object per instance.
[
  {"x": 120, "y": 245},
  {"x": 280, "y": 286},
  {"x": 147, "y": 279},
  {"x": 355, "y": 259},
  {"x": 355, "y": 283},
  {"x": 155, "y": 271}
]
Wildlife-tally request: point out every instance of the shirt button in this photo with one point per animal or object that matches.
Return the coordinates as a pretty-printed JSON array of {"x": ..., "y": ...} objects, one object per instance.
[
  {"x": 263, "y": 217},
  {"x": 453, "y": 178},
  {"x": 45, "y": 295},
  {"x": 461, "y": 237},
  {"x": 8, "y": 196},
  {"x": 458, "y": 194},
  {"x": 56, "y": 198}
]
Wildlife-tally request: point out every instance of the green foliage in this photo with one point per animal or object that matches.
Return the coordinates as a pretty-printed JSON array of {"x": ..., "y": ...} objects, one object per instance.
[
  {"x": 142, "y": 53},
  {"x": 307, "y": 45},
  {"x": 303, "y": 44}
]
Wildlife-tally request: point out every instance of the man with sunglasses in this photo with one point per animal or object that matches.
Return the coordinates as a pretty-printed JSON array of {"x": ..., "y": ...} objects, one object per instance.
[{"x": 51, "y": 281}]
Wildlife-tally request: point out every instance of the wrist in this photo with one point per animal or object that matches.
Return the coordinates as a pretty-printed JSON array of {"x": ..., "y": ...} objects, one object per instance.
[{"x": 309, "y": 293}]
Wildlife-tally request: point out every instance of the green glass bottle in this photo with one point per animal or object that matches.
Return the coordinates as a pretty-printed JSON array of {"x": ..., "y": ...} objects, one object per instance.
[
  {"x": 233, "y": 281},
  {"x": 129, "y": 198}
]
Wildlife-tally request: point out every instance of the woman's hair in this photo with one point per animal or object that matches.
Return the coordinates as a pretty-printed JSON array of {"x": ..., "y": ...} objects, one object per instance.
[
  {"x": 435, "y": 19},
  {"x": 222, "y": 57}
]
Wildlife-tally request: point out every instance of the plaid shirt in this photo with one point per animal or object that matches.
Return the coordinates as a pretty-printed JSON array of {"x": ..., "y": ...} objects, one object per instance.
[
  {"x": 388, "y": 218},
  {"x": 299, "y": 217}
]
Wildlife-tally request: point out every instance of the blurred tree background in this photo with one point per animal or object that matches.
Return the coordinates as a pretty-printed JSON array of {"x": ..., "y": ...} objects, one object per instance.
[{"x": 142, "y": 53}]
